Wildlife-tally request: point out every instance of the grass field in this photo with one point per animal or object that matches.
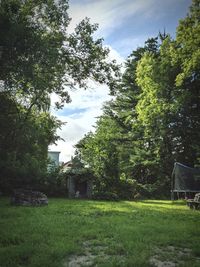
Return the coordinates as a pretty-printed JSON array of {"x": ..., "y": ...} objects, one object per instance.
[{"x": 94, "y": 233}]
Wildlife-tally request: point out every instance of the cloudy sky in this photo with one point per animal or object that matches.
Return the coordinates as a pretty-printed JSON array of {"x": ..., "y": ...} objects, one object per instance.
[{"x": 124, "y": 25}]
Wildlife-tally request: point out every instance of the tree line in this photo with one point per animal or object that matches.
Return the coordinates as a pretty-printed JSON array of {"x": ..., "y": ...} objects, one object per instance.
[{"x": 153, "y": 119}]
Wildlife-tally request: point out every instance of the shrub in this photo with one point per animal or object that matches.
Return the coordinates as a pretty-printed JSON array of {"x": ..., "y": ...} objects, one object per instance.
[
  {"x": 54, "y": 183},
  {"x": 157, "y": 190},
  {"x": 130, "y": 189},
  {"x": 111, "y": 196}
]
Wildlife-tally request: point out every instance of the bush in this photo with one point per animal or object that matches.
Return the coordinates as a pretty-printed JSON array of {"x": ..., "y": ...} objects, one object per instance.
[
  {"x": 54, "y": 183},
  {"x": 130, "y": 189},
  {"x": 105, "y": 196},
  {"x": 159, "y": 190},
  {"x": 124, "y": 188}
]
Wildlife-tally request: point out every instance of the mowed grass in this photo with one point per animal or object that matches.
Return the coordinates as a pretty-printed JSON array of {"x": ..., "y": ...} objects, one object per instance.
[{"x": 130, "y": 232}]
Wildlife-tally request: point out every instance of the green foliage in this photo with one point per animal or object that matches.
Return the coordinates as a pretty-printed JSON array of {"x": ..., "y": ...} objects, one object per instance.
[
  {"x": 154, "y": 119},
  {"x": 110, "y": 196},
  {"x": 38, "y": 57},
  {"x": 23, "y": 144},
  {"x": 130, "y": 189},
  {"x": 186, "y": 48},
  {"x": 78, "y": 170},
  {"x": 54, "y": 182},
  {"x": 99, "y": 151}
]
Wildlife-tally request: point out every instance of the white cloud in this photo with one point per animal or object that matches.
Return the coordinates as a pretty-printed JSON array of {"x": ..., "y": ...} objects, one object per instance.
[
  {"x": 71, "y": 132},
  {"x": 135, "y": 19},
  {"x": 108, "y": 14},
  {"x": 77, "y": 126},
  {"x": 112, "y": 16},
  {"x": 114, "y": 55}
]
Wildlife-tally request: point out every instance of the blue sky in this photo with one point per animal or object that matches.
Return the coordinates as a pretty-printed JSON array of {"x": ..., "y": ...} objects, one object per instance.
[{"x": 124, "y": 25}]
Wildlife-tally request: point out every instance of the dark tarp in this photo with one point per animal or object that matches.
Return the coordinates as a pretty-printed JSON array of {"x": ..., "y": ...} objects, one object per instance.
[{"x": 185, "y": 178}]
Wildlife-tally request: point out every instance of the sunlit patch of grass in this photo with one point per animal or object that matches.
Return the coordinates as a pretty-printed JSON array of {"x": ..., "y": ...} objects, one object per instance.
[{"x": 128, "y": 231}]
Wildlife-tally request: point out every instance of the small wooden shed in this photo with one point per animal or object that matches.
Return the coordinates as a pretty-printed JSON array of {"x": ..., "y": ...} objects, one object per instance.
[
  {"x": 79, "y": 187},
  {"x": 79, "y": 181}
]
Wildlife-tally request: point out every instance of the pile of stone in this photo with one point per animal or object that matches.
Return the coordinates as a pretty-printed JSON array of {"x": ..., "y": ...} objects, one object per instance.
[{"x": 28, "y": 198}]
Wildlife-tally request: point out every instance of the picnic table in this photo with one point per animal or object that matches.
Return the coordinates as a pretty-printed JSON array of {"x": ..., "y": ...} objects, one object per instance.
[{"x": 194, "y": 203}]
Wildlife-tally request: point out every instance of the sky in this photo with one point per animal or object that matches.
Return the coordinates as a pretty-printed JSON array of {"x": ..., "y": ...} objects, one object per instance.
[{"x": 124, "y": 25}]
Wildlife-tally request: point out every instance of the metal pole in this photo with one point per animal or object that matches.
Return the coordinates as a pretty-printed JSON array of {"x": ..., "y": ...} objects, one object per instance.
[{"x": 172, "y": 182}]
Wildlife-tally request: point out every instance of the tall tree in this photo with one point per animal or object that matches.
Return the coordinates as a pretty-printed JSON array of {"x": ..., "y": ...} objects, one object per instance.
[
  {"x": 99, "y": 151},
  {"x": 156, "y": 108},
  {"x": 39, "y": 57},
  {"x": 185, "y": 53},
  {"x": 126, "y": 113}
]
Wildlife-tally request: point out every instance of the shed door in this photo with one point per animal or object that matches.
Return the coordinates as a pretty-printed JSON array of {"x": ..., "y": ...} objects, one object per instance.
[{"x": 81, "y": 187}]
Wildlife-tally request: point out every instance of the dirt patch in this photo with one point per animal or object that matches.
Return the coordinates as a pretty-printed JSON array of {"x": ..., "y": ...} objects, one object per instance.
[
  {"x": 171, "y": 256},
  {"x": 158, "y": 263},
  {"x": 95, "y": 253},
  {"x": 92, "y": 253},
  {"x": 77, "y": 261}
]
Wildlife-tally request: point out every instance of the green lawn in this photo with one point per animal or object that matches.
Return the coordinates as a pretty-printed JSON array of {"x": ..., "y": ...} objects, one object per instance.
[{"x": 99, "y": 234}]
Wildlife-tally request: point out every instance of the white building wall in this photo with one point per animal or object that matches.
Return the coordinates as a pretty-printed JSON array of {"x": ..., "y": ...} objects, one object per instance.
[{"x": 54, "y": 156}]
